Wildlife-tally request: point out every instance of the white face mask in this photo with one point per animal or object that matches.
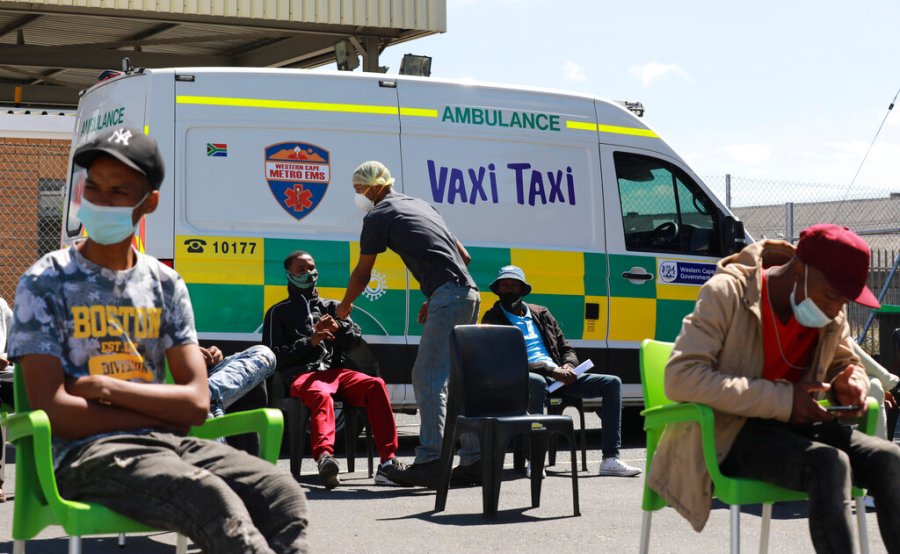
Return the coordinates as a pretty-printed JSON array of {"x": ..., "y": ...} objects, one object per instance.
[
  {"x": 363, "y": 203},
  {"x": 808, "y": 313}
]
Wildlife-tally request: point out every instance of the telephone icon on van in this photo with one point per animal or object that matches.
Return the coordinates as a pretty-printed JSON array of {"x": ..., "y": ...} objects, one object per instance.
[{"x": 195, "y": 246}]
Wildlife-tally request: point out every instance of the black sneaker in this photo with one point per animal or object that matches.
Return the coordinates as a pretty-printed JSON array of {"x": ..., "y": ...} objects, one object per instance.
[
  {"x": 423, "y": 475},
  {"x": 328, "y": 470},
  {"x": 392, "y": 473},
  {"x": 466, "y": 476}
]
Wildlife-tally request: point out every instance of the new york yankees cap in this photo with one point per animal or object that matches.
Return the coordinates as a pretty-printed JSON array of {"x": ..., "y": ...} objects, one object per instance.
[{"x": 131, "y": 147}]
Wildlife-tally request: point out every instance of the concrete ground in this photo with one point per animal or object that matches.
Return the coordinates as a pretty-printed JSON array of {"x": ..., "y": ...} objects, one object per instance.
[{"x": 361, "y": 517}]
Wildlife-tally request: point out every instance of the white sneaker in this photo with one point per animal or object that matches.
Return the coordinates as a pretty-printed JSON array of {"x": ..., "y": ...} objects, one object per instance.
[
  {"x": 618, "y": 468},
  {"x": 528, "y": 470}
]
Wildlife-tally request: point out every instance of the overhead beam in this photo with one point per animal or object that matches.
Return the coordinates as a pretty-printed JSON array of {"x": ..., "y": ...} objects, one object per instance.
[
  {"x": 43, "y": 95},
  {"x": 45, "y": 76},
  {"x": 285, "y": 52},
  {"x": 99, "y": 58},
  {"x": 131, "y": 42},
  {"x": 18, "y": 23},
  {"x": 245, "y": 24}
]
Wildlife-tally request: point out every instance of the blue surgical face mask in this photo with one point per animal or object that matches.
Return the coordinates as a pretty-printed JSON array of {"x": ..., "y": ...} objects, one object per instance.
[
  {"x": 108, "y": 224},
  {"x": 305, "y": 281},
  {"x": 808, "y": 313}
]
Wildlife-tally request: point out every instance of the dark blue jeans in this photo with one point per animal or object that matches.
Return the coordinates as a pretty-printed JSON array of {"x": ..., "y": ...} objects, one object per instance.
[
  {"x": 587, "y": 385},
  {"x": 225, "y": 500},
  {"x": 823, "y": 460}
]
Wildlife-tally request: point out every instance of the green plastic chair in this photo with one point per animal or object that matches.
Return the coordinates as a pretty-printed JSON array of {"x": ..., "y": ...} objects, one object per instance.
[
  {"x": 660, "y": 411},
  {"x": 38, "y": 504}
]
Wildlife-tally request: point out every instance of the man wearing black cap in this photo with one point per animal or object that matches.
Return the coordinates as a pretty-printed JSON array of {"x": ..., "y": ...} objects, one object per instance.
[
  {"x": 94, "y": 326},
  {"x": 768, "y": 334}
]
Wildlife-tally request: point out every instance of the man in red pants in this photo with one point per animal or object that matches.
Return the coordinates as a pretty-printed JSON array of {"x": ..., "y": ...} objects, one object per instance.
[{"x": 310, "y": 343}]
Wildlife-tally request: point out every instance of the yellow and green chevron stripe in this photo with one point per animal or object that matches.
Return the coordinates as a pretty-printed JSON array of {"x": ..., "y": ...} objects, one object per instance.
[{"x": 234, "y": 280}]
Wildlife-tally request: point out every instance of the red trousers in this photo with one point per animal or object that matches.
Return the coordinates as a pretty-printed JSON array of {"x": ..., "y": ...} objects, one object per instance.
[{"x": 315, "y": 389}]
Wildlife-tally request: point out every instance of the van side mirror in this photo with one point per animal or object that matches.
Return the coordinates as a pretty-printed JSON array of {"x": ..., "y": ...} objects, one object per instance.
[{"x": 734, "y": 238}]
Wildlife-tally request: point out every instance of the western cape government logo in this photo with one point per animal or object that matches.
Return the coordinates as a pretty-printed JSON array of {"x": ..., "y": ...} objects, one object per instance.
[{"x": 298, "y": 174}]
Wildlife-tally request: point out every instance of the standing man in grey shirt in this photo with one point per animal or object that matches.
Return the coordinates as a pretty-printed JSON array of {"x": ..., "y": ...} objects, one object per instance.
[{"x": 418, "y": 234}]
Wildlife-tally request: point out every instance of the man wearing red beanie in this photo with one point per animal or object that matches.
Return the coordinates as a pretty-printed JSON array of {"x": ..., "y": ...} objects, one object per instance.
[{"x": 767, "y": 336}]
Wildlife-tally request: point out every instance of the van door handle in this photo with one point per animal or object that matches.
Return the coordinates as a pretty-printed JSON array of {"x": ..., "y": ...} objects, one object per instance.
[{"x": 638, "y": 274}]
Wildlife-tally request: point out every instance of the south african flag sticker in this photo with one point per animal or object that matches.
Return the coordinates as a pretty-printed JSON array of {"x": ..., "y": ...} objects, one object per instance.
[{"x": 216, "y": 150}]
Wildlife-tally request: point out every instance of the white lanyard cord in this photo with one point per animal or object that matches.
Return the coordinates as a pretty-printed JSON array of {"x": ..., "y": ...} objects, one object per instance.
[{"x": 775, "y": 324}]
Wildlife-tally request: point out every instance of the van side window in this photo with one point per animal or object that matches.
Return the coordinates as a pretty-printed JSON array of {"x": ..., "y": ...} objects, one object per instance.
[{"x": 664, "y": 210}]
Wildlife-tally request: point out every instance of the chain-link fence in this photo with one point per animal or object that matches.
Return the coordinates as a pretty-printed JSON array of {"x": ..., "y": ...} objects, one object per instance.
[
  {"x": 781, "y": 209},
  {"x": 32, "y": 177}
]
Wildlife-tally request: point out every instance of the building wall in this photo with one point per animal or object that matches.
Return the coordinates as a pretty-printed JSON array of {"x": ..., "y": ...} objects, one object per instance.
[{"x": 31, "y": 171}]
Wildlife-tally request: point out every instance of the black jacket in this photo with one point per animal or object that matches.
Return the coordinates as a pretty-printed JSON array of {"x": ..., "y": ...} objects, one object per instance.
[
  {"x": 554, "y": 340},
  {"x": 287, "y": 329}
]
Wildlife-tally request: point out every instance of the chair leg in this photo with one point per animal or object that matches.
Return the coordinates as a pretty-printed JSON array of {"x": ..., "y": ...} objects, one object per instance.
[
  {"x": 861, "y": 521},
  {"x": 764, "y": 530},
  {"x": 180, "y": 544},
  {"x": 74, "y": 545},
  {"x": 295, "y": 427},
  {"x": 448, "y": 449},
  {"x": 492, "y": 468},
  {"x": 582, "y": 433},
  {"x": 735, "y": 529},
  {"x": 121, "y": 541},
  {"x": 539, "y": 442},
  {"x": 370, "y": 445},
  {"x": 574, "y": 463},
  {"x": 18, "y": 547},
  {"x": 645, "y": 532},
  {"x": 351, "y": 427}
]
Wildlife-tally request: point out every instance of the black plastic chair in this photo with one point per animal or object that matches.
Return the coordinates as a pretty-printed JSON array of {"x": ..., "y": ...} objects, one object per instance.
[
  {"x": 555, "y": 406},
  {"x": 297, "y": 418},
  {"x": 296, "y": 414},
  {"x": 489, "y": 397}
]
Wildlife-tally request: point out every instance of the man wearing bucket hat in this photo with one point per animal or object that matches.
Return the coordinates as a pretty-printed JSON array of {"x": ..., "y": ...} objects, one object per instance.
[
  {"x": 418, "y": 234},
  {"x": 768, "y": 334},
  {"x": 550, "y": 357}
]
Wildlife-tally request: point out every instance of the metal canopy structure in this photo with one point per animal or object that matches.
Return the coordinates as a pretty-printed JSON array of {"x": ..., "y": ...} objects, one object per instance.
[{"x": 52, "y": 49}]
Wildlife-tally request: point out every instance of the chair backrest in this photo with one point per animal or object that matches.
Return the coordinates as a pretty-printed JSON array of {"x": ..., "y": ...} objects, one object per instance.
[
  {"x": 654, "y": 356},
  {"x": 489, "y": 371}
]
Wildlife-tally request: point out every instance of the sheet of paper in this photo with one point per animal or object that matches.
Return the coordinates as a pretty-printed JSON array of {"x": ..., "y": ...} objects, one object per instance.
[{"x": 582, "y": 367}]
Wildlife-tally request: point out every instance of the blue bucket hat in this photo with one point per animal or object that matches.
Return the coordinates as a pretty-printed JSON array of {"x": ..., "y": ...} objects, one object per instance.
[{"x": 511, "y": 272}]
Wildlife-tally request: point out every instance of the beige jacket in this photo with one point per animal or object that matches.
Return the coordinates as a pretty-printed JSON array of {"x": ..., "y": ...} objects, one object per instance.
[{"x": 718, "y": 361}]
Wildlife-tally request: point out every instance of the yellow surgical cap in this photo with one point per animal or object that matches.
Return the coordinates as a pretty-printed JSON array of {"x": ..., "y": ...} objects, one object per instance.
[{"x": 372, "y": 173}]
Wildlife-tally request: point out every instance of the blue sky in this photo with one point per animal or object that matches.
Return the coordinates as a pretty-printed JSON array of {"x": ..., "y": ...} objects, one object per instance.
[{"x": 788, "y": 91}]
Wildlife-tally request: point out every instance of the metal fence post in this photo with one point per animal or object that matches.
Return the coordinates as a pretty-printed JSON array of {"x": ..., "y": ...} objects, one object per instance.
[
  {"x": 728, "y": 190},
  {"x": 789, "y": 221}
]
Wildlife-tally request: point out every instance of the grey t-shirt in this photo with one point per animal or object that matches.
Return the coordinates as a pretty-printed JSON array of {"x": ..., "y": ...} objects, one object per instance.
[
  {"x": 417, "y": 233},
  {"x": 98, "y": 321}
]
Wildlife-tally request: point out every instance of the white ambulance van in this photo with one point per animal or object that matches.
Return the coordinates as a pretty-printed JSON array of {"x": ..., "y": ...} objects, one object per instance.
[{"x": 613, "y": 229}]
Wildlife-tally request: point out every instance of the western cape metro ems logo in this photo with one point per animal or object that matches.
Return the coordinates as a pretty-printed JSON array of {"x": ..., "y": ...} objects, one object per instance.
[{"x": 298, "y": 174}]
